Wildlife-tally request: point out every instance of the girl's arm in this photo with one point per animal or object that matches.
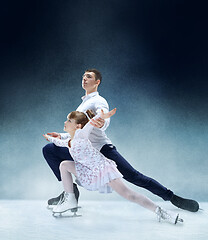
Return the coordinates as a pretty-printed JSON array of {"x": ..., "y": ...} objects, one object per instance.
[
  {"x": 58, "y": 142},
  {"x": 64, "y": 135},
  {"x": 103, "y": 106},
  {"x": 86, "y": 130}
]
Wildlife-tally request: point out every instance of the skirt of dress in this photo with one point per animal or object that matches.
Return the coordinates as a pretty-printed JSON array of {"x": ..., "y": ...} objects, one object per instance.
[{"x": 96, "y": 178}]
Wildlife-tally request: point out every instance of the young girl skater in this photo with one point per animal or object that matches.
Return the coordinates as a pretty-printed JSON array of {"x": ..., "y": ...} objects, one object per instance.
[{"x": 92, "y": 169}]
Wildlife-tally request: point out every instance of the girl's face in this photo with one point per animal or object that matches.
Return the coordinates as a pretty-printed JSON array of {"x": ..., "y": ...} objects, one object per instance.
[{"x": 70, "y": 125}]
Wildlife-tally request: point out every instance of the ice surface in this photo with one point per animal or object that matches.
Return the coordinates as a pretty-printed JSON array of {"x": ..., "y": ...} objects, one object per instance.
[{"x": 122, "y": 220}]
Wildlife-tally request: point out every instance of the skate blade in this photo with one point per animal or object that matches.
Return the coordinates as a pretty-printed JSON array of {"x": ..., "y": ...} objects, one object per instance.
[
  {"x": 178, "y": 219},
  {"x": 65, "y": 214},
  {"x": 50, "y": 207}
]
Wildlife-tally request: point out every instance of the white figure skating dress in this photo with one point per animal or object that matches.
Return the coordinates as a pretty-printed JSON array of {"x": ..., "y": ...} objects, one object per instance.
[{"x": 94, "y": 171}]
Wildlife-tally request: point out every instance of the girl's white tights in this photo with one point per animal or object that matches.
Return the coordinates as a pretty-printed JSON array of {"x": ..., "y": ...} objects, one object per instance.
[
  {"x": 68, "y": 167},
  {"x": 119, "y": 186}
]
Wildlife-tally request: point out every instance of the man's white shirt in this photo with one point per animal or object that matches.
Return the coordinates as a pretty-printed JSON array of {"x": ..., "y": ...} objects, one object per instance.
[{"x": 94, "y": 102}]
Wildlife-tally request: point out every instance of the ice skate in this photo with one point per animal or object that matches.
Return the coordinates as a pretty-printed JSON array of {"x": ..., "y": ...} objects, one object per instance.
[
  {"x": 167, "y": 216},
  {"x": 185, "y": 204},
  {"x": 54, "y": 201},
  {"x": 68, "y": 203},
  {"x": 67, "y": 214}
]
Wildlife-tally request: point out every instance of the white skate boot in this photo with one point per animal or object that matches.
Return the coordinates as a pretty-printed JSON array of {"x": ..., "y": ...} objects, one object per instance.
[
  {"x": 167, "y": 216},
  {"x": 68, "y": 202}
]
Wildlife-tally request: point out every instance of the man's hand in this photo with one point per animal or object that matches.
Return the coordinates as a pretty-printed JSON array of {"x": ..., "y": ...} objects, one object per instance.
[
  {"x": 55, "y": 135},
  {"x": 108, "y": 114}
]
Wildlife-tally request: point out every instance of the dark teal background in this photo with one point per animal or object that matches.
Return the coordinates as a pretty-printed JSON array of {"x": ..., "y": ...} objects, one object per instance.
[{"x": 153, "y": 56}]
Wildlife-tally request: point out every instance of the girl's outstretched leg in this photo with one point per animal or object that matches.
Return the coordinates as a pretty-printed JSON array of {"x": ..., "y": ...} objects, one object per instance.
[
  {"x": 119, "y": 186},
  {"x": 145, "y": 202}
]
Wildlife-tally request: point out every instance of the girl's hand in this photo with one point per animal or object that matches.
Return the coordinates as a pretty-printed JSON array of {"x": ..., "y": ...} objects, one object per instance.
[
  {"x": 99, "y": 122},
  {"x": 55, "y": 135},
  {"x": 107, "y": 115},
  {"x": 46, "y": 136}
]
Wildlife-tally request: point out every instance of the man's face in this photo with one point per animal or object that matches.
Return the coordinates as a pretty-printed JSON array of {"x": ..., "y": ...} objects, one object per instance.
[{"x": 89, "y": 83}]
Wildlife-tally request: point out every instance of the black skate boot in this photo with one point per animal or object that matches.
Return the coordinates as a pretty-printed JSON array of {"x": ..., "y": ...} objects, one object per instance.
[
  {"x": 185, "y": 204},
  {"x": 54, "y": 201}
]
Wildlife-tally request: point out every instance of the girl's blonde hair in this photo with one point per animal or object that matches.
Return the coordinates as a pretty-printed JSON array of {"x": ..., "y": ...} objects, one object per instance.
[{"x": 80, "y": 117}]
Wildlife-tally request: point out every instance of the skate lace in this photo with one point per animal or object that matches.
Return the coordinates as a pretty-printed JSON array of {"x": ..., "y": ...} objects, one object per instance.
[
  {"x": 162, "y": 214},
  {"x": 61, "y": 200}
]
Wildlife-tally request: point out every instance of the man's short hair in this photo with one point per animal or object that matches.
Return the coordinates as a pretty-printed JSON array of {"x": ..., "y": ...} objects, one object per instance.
[{"x": 96, "y": 72}]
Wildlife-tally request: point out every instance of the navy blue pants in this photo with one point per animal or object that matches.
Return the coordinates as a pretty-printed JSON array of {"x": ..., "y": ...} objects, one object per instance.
[{"x": 55, "y": 155}]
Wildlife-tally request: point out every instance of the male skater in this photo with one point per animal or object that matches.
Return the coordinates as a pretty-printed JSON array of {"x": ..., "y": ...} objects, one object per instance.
[{"x": 92, "y": 100}]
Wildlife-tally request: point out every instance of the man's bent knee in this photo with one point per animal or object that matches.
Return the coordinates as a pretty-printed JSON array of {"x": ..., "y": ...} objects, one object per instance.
[{"x": 47, "y": 149}]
